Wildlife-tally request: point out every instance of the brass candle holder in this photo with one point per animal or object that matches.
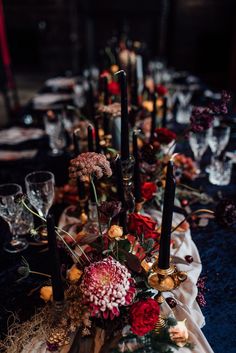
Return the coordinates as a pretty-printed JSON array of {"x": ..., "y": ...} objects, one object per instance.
[{"x": 164, "y": 280}]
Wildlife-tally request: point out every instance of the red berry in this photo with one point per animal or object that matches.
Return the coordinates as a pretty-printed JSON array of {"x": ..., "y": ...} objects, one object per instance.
[
  {"x": 171, "y": 302},
  {"x": 184, "y": 202},
  {"x": 189, "y": 259}
]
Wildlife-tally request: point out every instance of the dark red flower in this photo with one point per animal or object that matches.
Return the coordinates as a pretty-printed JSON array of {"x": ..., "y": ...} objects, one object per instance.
[
  {"x": 114, "y": 88},
  {"x": 140, "y": 224},
  {"x": 148, "y": 189},
  {"x": 144, "y": 315},
  {"x": 201, "y": 119},
  {"x": 164, "y": 135},
  {"x": 221, "y": 106},
  {"x": 161, "y": 90}
]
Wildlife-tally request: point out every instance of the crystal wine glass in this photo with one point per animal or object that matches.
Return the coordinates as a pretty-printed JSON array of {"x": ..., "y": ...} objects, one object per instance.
[
  {"x": 10, "y": 211},
  {"x": 40, "y": 191},
  {"x": 198, "y": 142},
  {"x": 55, "y": 130},
  {"x": 218, "y": 139}
]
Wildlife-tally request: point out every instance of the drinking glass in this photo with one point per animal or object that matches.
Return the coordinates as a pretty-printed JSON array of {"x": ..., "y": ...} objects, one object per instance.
[
  {"x": 184, "y": 108},
  {"x": 198, "y": 142},
  {"x": 55, "y": 130},
  {"x": 10, "y": 211},
  {"x": 218, "y": 139},
  {"x": 220, "y": 171},
  {"x": 40, "y": 191}
]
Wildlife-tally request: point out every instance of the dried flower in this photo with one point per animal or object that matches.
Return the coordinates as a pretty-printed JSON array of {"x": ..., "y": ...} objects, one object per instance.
[
  {"x": 115, "y": 231},
  {"x": 74, "y": 274},
  {"x": 89, "y": 163},
  {"x": 46, "y": 293},
  {"x": 164, "y": 135},
  {"x": 184, "y": 167},
  {"x": 110, "y": 209},
  {"x": 107, "y": 285},
  {"x": 225, "y": 213},
  {"x": 201, "y": 119}
]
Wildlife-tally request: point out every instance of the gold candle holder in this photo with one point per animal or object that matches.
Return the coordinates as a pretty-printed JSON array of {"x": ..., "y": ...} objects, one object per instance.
[{"x": 164, "y": 280}]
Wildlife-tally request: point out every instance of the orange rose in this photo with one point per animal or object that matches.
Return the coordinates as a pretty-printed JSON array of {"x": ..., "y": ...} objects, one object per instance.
[{"x": 115, "y": 231}]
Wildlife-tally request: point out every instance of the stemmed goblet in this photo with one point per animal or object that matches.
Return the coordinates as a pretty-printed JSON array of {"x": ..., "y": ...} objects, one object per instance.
[
  {"x": 10, "y": 211},
  {"x": 40, "y": 192},
  {"x": 55, "y": 130},
  {"x": 198, "y": 142}
]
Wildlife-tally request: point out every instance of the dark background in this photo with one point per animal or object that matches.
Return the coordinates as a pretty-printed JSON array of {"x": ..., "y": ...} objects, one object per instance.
[{"x": 51, "y": 36}]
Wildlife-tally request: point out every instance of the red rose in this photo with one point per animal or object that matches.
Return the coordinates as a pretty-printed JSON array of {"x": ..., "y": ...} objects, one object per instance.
[
  {"x": 141, "y": 224},
  {"x": 161, "y": 90},
  {"x": 148, "y": 189},
  {"x": 164, "y": 135},
  {"x": 114, "y": 88},
  {"x": 143, "y": 316}
]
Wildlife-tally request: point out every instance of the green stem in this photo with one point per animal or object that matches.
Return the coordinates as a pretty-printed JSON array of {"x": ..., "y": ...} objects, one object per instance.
[{"x": 96, "y": 201}]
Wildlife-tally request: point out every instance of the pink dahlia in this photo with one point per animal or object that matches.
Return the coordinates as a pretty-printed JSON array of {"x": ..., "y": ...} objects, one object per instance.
[
  {"x": 89, "y": 163},
  {"x": 107, "y": 285}
]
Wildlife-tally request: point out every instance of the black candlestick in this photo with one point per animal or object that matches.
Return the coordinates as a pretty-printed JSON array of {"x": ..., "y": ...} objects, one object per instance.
[
  {"x": 106, "y": 120},
  {"x": 134, "y": 87},
  {"x": 90, "y": 139},
  {"x": 97, "y": 139},
  {"x": 137, "y": 181},
  {"x": 154, "y": 115},
  {"x": 168, "y": 206},
  {"x": 57, "y": 284},
  {"x": 121, "y": 194},
  {"x": 91, "y": 102},
  {"x": 124, "y": 116},
  {"x": 164, "y": 110}
]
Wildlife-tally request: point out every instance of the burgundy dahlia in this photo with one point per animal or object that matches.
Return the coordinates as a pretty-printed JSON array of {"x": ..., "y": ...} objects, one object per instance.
[
  {"x": 201, "y": 119},
  {"x": 106, "y": 286}
]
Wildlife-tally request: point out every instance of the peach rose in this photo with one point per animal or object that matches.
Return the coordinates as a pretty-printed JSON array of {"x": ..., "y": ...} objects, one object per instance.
[
  {"x": 179, "y": 333},
  {"x": 115, "y": 231}
]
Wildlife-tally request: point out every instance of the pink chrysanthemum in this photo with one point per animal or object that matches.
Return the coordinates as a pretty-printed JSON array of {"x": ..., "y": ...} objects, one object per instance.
[
  {"x": 89, "y": 163},
  {"x": 107, "y": 285}
]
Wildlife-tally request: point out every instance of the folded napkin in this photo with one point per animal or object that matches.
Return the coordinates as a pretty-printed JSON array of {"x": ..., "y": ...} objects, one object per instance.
[
  {"x": 15, "y": 155},
  {"x": 43, "y": 101},
  {"x": 61, "y": 82},
  {"x": 16, "y": 135}
]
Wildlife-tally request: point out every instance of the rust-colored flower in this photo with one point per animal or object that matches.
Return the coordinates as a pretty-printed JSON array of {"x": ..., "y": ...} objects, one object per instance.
[{"x": 89, "y": 163}]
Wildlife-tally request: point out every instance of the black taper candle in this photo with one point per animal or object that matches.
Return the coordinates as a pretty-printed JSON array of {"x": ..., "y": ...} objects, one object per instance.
[
  {"x": 90, "y": 139},
  {"x": 97, "y": 139},
  {"x": 134, "y": 87},
  {"x": 154, "y": 116},
  {"x": 137, "y": 181},
  {"x": 105, "y": 90},
  {"x": 124, "y": 116},
  {"x": 164, "y": 112},
  {"x": 106, "y": 119},
  {"x": 91, "y": 102},
  {"x": 121, "y": 194},
  {"x": 168, "y": 206},
  {"x": 57, "y": 284}
]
